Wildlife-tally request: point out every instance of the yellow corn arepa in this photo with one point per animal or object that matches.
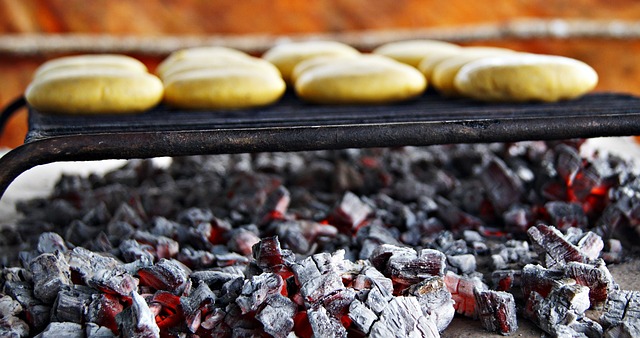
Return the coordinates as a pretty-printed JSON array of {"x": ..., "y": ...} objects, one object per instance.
[
  {"x": 412, "y": 52},
  {"x": 525, "y": 77},
  {"x": 286, "y": 56},
  {"x": 90, "y": 61},
  {"x": 445, "y": 71},
  {"x": 199, "y": 53},
  {"x": 94, "y": 91},
  {"x": 363, "y": 80},
  {"x": 231, "y": 87},
  {"x": 307, "y": 64},
  {"x": 248, "y": 62}
]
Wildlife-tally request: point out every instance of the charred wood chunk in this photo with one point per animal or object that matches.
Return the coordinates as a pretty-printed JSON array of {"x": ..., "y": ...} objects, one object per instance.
[
  {"x": 50, "y": 274},
  {"x": 301, "y": 235},
  {"x": 137, "y": 320},
  {"x": 497, "y": 311},
  {"x": 463, "y": 292},
  {"x": 537, "y": 278},
  {"x": 507, "y": 280},
  {"x": 13, "y": 327},
  {"x": 116, "y": 281},
  {"x": 50, "y": 242},
  {"x": 503, "y": 187},
  {"x": 462, "y": 264},
  {"x": 275, "y": 206},
  {"x": 197, "y": 305},
  {"x": 242, "y": 241},
  {"x": 369, "y": 276},
  {"x": 596, "y": 277},
  {"x": 435, "y": 300},
  {"x": 72, "y": 305},
  {"x": 256, "y": 290},
  {"x": 62, "y": 329},
  {"x": 362, "y": 318},
  {"x": 557, "y": 251},
  {"x": 277, "y": 315},
  {"x": 622, "y": 310},
  {"x": 270, "y": 256},
  {"x": 612, "y": 251},
  {"x": 323, "y": 325},
  {"x": 405, "y": 267},
  {"x": 314, "y": 284},
  {"x": 349, "y": 213},
  {"x": 103, "y": 310},
  {"x": 133, "y": 250},
  {"x": 167, "y": 275},
  {"x": 8, "y": 306},
  {"x": 565, "y": 215},
  {"x": 404, "y": 318},
  {"x": 163, "y": 247},
  {"x": 455, "y": 218}
]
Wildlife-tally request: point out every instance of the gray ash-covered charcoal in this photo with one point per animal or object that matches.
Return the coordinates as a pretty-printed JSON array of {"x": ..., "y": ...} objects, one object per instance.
[
  {"x": 594, "y": 276},
  {"x": 62, "y": 329},
  {"x": 621, "y": 314},
  {"x": 564, "y": 215},
  {"x": 197, "y": 305},
  {"x": 551, "y": 244},
  {"x": 324, "y": 325},
  {"x": 435, "y": 300},
  {"x": 167, "y": 274},
  {"x": 257, "y": 289},
  {"x": 277, "y": 315},
  {"x": 72, "y": 304},
  {"x": 10, "y": 323},
  {"x": 496, "y": 311},
  {"x": 50, "y": 274},
  {"x": 403, "y": 318},
  {"x": 137, "y": 320},
  {"x": 95, "y": 331},
  {"x": 50, "y": 242}
]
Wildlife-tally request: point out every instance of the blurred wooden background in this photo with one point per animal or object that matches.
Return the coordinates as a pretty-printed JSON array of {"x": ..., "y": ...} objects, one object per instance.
[{"x": 612, "y": 50}]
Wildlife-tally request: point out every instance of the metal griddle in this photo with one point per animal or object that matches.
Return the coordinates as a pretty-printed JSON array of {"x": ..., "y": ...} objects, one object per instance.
[{"x": 293, "y": 125}]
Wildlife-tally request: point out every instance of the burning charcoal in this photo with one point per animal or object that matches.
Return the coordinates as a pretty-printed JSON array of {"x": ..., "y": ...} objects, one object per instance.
[
  {"x": 323, "y": 325},
  {"x": 517, "y": 219},
  {"x": 215, "y": 322},
  {"x": 538, "y": 279},
  {"x": 446, "y": 243},
  {"x": 275, "y": 206},
  {"x": 462, "y": 292},
  {"x": 116, "y": 281},
  {"x": 50, "y": 274},
  {"x": 256, "y": 290},
  {"x": 590, "y": 245},
  {"x": 596, "y": 277},
  {"x": 168, "y": 275},
  {"x": 277, "y": 315},
  {"x": 405, "y": 267},
  {"x": 270, "y": 256},
  {"x": 497, "y": 311},
  {"x": 372, "y": 235},
  {"x": 163, "y": 247},
  {"x": 50, "y": 242},
  {"x": 362, "y": 318},
  {"x": 242, "y": 241},
  {"x": 349, "y": 213},
  {"x": 369, "y": 276},
  {"x": 627, "y": 329},
  {"x": 454, "y": 218},
  {"x": 511, "y": 254},
  {"x": 565, "y": 215},
  {"x": 78, "y": 232},
  {"x": 132, "y": 251},
  {"x": 556, "y": 250},
  {"x": 62, "y": 329},
  {"x": 119, "y": 231},
  {"x": 506, "y": 280},
  {"x": 94, "y": 331},
  {"x": 503, "y": 187},
  {"x": 435, "y": 300},
  {"x": 165, "y": 308},
  {"x": 103, "y": 310},
  {"x": 196, "y": 259},
  {"x": 622, "y": 308},
  {"x": 403, "y": 318},
  {"x": 300, "y": 235},
  {"x": 72, "y": 304},
  {"x": 137, "y": 320},
  {"x": 462, "y": 264},
  {"x": 565, "y": 304}
]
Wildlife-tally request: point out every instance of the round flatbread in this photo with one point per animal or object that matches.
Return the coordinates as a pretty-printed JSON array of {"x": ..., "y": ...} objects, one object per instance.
[
  {"x": 95, "y": 91},
  {"x": 525, "y": 77},
  {"x": 199, "y": 53},
  {"x": 445, "y": 71},
  {"x": 363, "y": 80},
  {"x": 412, "y": 52},
  {"x": 230, "y": 87},
  {"x": 287, "y": 55},
  {"x": 249, "y": 62},
  {"x": 90, "y": 61}
]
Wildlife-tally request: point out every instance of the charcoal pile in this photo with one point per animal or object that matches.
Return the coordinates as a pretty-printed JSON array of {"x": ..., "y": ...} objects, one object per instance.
[{"x": 367, "y": 242}]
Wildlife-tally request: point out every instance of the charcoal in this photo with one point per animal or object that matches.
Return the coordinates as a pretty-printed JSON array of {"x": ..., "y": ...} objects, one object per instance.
[
  {"x": 435, "y": 300},
  {"x": 513, "y": 254},
  {"x": 349, "y": 213},
  {"x": 323, "y": 325},
  {"x": 613, "y": 252},
  {"x": 404, "y": 266},
  {"x": 557, "y": 251},
  {"x": 506, "y": 280},
  {"x": 270, "y": 256},
  {"x": 455, "y": 218},
  {"x": 72, "y": 305},
  {"x": 403, "y": 318},
  {"x": 50, "y": 242},
  {"x": 627, "y": 329},
  {"x": 462, "y": 291},
  {"x": 137, "y": 319},
  {"x": 13, "y": 327},
  {"x": 103, "y": 310},
  {"x": 277, "y": 315},
  {"x": 163, "y": 247},
  {"x": 362, "y": 318},
  {"x": 536, "y": 278},
  {"x": 95, "y": 331},
  {"x": 301, "y": 235},
  {"x": 596, "y": 277},
  {"x": 131, "y": 250},
  {"x": 503, "y": 187},
  {"x": 518, "y": 218},
  {"x": 256, "y": 290},
  {"x": 50, "y": 274},
  {"x": 62, "y": 329},
  {"x": 368, "y": 276},
  {"x": 565, "y": 215},
  {"x": 497, "y": 311},
  {"x": 622, "y": 307},
  {"x": 274, "y": 207},
  {"x": 166, "y": 274},
  {"x": 314, "y": 284},
  {"x": 242, "y": 240},
  {"x": 462, "y": 264},
  {"x": 372, "y": 235},
  {"x": 116, "y": 281},
  {"x": 79, "y": 232}
]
